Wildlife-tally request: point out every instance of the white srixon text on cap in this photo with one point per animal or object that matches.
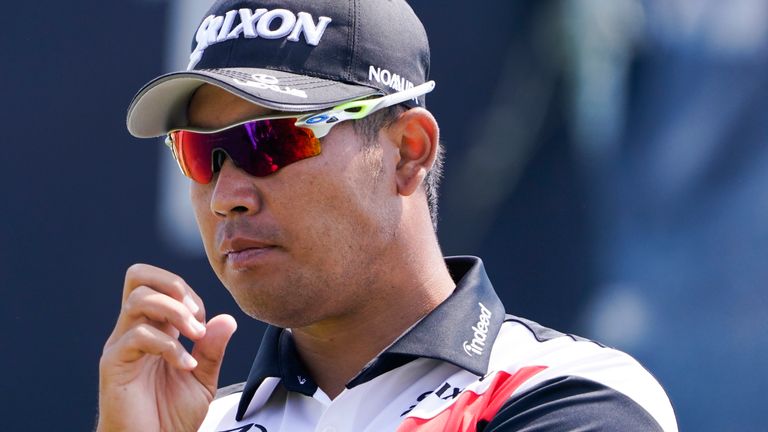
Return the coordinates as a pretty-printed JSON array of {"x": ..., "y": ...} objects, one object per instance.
[{"x": 267, "y": 24}]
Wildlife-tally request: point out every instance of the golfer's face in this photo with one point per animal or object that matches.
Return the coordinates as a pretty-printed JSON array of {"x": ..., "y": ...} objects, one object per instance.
[{"x": 296, "y": 246}]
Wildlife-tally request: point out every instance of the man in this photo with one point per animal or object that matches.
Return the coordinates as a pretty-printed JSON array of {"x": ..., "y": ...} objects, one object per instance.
[{"x": 314, "y": 166}]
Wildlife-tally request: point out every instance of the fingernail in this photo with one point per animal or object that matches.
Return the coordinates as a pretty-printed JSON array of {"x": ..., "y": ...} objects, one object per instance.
[
  {"x": 188, "y": 360},
  {"x": 196, "y": 325},
  {"x": 191, "y": 305}
]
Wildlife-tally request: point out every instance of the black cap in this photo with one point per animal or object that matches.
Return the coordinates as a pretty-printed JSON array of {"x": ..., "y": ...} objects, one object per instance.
[{"x": 291, "y": 55}]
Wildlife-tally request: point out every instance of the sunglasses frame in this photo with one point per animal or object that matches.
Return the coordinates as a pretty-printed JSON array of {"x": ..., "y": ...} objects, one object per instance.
[{"x": 320, "y": 122}]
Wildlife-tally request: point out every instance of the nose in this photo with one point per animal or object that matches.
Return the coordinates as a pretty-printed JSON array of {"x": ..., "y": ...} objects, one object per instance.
[{"x": 235, "y": 192}]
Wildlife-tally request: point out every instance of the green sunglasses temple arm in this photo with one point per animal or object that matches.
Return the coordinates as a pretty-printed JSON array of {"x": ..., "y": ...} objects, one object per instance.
[{"x": 321, "y": 123}]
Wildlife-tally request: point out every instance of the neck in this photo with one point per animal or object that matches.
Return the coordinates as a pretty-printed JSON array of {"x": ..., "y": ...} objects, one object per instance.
[{"x": 336, "y": 350}]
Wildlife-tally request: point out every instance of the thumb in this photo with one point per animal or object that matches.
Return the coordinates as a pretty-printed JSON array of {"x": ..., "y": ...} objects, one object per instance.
[{"x": 209, "y": 351}]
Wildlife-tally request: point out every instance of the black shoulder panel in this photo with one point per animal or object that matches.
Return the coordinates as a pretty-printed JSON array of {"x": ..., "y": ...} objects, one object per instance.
[
  {"x": 543, "y": 334},
  {"x": 571, "y": 404}
]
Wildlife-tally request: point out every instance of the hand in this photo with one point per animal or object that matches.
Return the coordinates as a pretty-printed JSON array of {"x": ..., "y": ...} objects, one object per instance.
[{"x": 147, "y": 380}]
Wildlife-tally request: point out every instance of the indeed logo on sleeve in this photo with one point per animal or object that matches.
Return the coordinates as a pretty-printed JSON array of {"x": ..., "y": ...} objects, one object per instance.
[
  {"x": 481, "y": 333},
  {"x": 267, "y": 24}
]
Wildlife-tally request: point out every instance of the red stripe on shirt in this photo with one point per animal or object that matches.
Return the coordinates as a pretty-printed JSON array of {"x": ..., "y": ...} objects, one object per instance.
[{"x": 470, "y": 407}]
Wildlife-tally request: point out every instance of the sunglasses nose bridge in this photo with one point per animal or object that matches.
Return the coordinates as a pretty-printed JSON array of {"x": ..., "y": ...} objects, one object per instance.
[{"x": 218, "y": 157}]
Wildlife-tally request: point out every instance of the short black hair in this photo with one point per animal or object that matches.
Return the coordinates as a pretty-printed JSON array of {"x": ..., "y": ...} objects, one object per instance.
[{"x": 369, "y": 128}]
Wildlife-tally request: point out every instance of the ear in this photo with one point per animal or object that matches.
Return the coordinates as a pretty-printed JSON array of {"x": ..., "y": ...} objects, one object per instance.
[{"x": 417, "y": 136}]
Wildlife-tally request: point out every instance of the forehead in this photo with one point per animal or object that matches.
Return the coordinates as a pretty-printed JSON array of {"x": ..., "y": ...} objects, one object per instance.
[{"x": 214, "y": 107}]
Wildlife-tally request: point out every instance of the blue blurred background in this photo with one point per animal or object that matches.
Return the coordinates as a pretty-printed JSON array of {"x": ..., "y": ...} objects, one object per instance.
[{"x": 607, "y": 158}]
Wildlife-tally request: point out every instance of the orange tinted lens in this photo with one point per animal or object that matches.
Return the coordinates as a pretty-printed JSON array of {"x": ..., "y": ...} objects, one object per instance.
[{"x": 259, "y": 147}]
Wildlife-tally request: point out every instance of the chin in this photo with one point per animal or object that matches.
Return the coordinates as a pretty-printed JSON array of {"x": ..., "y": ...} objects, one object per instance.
[
  {"x": 284, "y": 309},
  {"x": 284, "y": 318}
]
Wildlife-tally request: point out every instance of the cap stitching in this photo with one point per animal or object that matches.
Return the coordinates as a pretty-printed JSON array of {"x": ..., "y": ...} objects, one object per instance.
[
  {"x": 288, "y": 80},
  {"x": 319, "y": 85},
  {"x": 230, "y": 50},
  {"x": 307, "y": 73}
]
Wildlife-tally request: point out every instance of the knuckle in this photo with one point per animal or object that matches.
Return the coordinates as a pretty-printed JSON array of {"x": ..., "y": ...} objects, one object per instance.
[
  {"x": 104, "y": 361},
  {"x": 128, "y": 307},
  {"x": 173, "y": 346},
  {"x": 135, "y": 275},
  {"x": 179, "y": 285},
  {"x": 106, "y": 351},
  {"x": 134, "y": 300},
  {"x": 173, "y": 315},
  {"x": 135, "y": 270},
  {"x": 166, "y": 347},
  {"x": 138, "y": 334}
]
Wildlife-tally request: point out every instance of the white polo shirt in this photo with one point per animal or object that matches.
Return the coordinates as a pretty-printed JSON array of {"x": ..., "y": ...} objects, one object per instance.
[{"x": 467, "y": 366}]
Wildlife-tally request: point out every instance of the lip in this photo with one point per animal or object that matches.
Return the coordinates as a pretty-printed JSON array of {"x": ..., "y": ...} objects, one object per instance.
[
  {"x": 242, "y": 254},
  {"x": 248, "y": 258}
]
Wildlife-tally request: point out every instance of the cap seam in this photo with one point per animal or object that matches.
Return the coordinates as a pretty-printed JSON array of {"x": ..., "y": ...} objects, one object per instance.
[
  {"x": 229, "y": 52},
  {"x": 352, "y": 17},
  {"x": 356, "y": 42}
]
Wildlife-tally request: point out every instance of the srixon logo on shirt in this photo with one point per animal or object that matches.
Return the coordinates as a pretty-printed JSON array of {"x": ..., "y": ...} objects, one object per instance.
[
  {"x": 250, "y": 427},
  {"x": 263, "y": 23},
  {"x": 445, "y": 392},
  {"x": 481, "y": 333}
]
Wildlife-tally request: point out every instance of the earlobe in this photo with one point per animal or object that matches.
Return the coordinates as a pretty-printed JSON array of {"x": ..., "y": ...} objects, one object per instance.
[{"x": 418, "y": 136}]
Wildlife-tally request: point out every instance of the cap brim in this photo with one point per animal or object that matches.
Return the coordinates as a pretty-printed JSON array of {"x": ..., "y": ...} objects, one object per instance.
[{"x": 161, "y": 105}]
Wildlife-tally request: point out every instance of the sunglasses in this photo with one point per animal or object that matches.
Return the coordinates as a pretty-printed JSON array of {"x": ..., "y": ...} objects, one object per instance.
[{"x": 264, "y": 145}]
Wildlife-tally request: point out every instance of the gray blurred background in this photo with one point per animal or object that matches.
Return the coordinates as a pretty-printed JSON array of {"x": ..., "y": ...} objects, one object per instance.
[{"x": 608, "y": 159}]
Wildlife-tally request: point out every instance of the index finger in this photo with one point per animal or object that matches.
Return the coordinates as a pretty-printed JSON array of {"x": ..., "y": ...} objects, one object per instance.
[{"x": 164, "y": 282}]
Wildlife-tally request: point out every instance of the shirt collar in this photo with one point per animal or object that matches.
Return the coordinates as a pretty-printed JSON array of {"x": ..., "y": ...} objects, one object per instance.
[{"x": 460, "y": 331}]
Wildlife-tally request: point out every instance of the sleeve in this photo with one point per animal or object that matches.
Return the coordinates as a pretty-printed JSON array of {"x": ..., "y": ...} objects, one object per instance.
[{"x": 570, "y": 404}]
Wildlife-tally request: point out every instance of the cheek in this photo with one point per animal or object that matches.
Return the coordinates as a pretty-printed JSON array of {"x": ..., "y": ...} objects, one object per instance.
[
  {"x": 200, "y": 196},
  {"x": 340, "y": 209}
]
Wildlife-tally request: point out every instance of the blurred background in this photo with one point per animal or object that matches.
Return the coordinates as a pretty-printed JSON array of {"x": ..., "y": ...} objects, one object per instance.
[{"x": 606, "y": 158}]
